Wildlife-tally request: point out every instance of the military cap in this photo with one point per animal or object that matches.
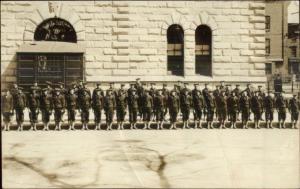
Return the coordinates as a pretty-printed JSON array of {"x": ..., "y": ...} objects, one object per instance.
[
  {"x": 152, "y": 84},
  {"x": 144, "y": 83},
  {"x": 205, "y": 83},
  {"x": 57, "y": 89},
  {"x": 133, "y": 90},
  {"x": 138, "y": 79},
  {"x": 237, "y": 85},
  {"x": 60, "y": 83},
  {"x": 49, "y": 82},
  {"x": 294, "y": 94},
  {"x": 222, "y": 81},
  {"x": 122, "y": 85},
  {"x": 217, "y": 85},
  {"x": 165, "y": 84},
  {"x": 111, "y": 82},
  {"x": 248, "y": 84},
  {"x": 186, "y": 83},
  {"x": 196, "y": 84},
  {"x": 98, "y": 84},
  {"x": 132, "y": 84},
  {"x": 259, "y": 86},
  {"x": 228, "y": 85}
]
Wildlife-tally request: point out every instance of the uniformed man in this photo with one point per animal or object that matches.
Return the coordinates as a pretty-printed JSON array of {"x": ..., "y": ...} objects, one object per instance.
[
  {"x": 62, "y": 89},
  {"x": 216, "y": 93},
  {"x": 133, "y": 108},
  {"x": 244, "y": 106},
  {"x": 221, "y": 104},
  {"x": 7, "y": 109},
  {"x": 227, "y": 90},
  {"x": 83, "y": 89},
  {"x": 97, "y": 105},
  {"x": 198, "y": 106},
  {"x": 19, "y": 106},
  {"x": 185, "y": 107},
  {"x": 33, "y": 105},
  {"x": 59, "y": 104},
  {"x": 261, "y": 94},
  {"x": 166, "y": 93},
  {"x": 84, "y": 106},
  {"x": 140, "y": 89},
  {"x": 36, "y": 88},
  {"x": 72, "y": 100},
  {"x": 281, "y": 108},
  {"x": 269, "y": 109},
  {"x": 222, "y": 85},
  {"x": 294, "y": 107},
  {"x": 74, "y": 87},
  {"x": 173, "y": 106},
  {"x": 14, "y": 90},
  {"x": 129, "y": 91},
  {"x": 248, "y": 90},
  {"x": 210, "y": 105},
  {"x": 46, "y": 106},
  {"x": 147, "y": 109},
  {"x": 121, "y": 106},
  {"x": 153, "y": 93},
  {"x": 205, "y": 93},
  {"x": 256, "y": 108},
  {"x": 109, "y": 108},
  {"x": 232, "y": 107},
  {"x": 112, "y": 88},
  {"x": 185, "y": 88},
  {"x": 159, "y": 106}
]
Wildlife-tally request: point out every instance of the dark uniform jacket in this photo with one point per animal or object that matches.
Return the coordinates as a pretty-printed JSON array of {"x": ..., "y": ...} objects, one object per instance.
[
  {"x": 244, "y": 103},
  {"x": 198, "y": 102},
  {"x": 7, "y": 103},
  {"x": 85, "y": 102},
  {"x": 133, "y": 102},
  {"x": 159, "y": 102},
  {"x": 72, "y": 101},
  {"x": 186, "y": 101},
  {"x": 211, "y": 103},
  {"x": 20, "y": 101},
  {"x": 147, "y": 101},
  {"x": 59, "y": 102},
  {"x": 280, "y": 102},
  {"x": 121, "y": 100},
  {"x": 109, "y": 103},
  {"x": 232, "y": 103},
  {"x": 173, "y": 103},
  {"x": 256, "y": 105},
  {"x": 294, "y": 105},
  {"x": 33, "y": 101},
  {"x": 269, "y": 103},
  {"x": 46, "y": 102},
  {"x": 97, "y": 100}
]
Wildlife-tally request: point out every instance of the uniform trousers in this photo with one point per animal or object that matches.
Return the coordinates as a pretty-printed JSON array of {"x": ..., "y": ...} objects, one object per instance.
[{"x": 97, "y": 115}]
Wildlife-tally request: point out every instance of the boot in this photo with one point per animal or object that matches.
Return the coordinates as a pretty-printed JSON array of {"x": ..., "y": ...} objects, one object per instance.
[
  {"x": 157, "y": 126},
  {"x": 145, "y": 125},
  {"x": 258, "y": 124},
  {"x": 134, "y": 125},
  {"x": 122, "y": 125},
  {"x": 34, "y": 127},
  {"x": 295, "y": 125},
  {"x": 73, "y": 126},
  {"x": 131, "y": 126},
  {"x": 110, "y": 126},
  {"x": 175, "y": 126},
  {"x": 148, "y": 127},
  {"x": 46, "y": 126},
  {"x": 283, "y": 124},
  {"x": 187, "y": 124},
  {"x": 59, "y": 126},
  {"x": 200, "y": 124},
  {"x": 21, "y": 127},
  {"x": 87, "y": 126},
  {"x": 172, "y": 126},
  {"x": 234, "y": 125},
  {"x": 270, "y": 125},
  {"x": 162, "y": 125},
  {"x": 118, "y": 128}
]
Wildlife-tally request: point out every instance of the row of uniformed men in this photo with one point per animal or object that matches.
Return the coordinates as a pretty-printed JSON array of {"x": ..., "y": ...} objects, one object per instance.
[{"x": 147, "y": 103}]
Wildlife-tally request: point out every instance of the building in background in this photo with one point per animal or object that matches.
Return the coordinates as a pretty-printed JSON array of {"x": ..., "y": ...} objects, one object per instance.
[
  {"x": 158, "y": 41},
  {"x": 293, "y": 42}
]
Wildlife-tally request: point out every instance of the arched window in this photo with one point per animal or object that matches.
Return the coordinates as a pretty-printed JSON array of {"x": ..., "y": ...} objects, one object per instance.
[
  {"x": 55, "y": 29},
  {"x": 175, "y": 50},
  {"x": 203, "y": 53}
]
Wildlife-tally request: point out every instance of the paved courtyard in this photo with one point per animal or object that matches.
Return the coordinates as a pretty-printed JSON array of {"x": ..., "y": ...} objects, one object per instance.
[{"x": 148, "y": 158}]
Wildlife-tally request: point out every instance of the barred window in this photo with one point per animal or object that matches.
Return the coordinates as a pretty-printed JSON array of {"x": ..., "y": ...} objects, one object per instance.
[
  {"x": 268, "y": 46},
  {"x": 175, "y": 50},
  {"x": 268, "y": 68},
  {"x": 268, "y": 23},
  {"x": 203, "y": 54}
]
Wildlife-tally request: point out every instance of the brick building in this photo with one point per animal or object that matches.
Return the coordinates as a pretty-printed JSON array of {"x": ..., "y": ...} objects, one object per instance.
[{"x": 161, "y": 41}]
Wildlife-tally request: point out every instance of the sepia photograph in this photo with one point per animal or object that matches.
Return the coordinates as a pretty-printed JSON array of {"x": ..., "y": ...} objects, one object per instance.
[{"x": 150, "y": 94}]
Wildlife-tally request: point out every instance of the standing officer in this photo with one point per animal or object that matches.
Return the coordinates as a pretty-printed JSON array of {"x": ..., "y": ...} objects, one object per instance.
[
  {"x": 97, "y": 105},
  {"x": 46, "y": 105},
  {"x": 121, "y": 103},
  {"x": 19, "y": 106},
  {"x": 237, "y": 91},
  {"x": 152, "y": 93},
  {"x": 281, "y": 108},
  {"x": 294, "y": 107},
  {"x": 109, "y": 106},
  {"x": 205, "y": 93},
  {"x": 269, "y": 109},
  {"x": 210, "y": 105},
  {"x": 232, "y": 107},
  {"x": 227, "y": 90},
  {"x": 85, "y": 105},
  {"x": 147, "y": 109},
  {"x": 221, "y": 102},
  {"x": 216, "y": 93},
  {"x": 185, "y": 106},
  {"x": 165, "y": 93},
  {"x": 244, "y": 105},
  {"x": 141, "y": 92},
  {"x": 198, "y": 105},
  {"x": 7, "y": 109},
  {"x": 14, "y": 90},
  {"x": 62, "y": 89},
  {"x": 112, "y": 88},
  {"x": 173, "y": 105},
  {"x": 256, "y": 108},
  {"x": 33, "y": 105},
  {"x": 49, "y": 87},
  {"x": 72, "y": 100},
  {"x": 133, "y": 108},
  {"x": 159, "y": 105},
  {"x": 59, "y": 104}
]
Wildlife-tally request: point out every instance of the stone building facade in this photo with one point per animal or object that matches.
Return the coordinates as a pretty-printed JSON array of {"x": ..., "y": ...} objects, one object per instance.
[{"x": 124, "y": 40}]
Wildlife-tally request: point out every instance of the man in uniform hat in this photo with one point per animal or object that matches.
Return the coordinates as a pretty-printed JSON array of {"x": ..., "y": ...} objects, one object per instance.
[
  {"x": 198, "y": 106},
  {"x": 173, "y": 106},
  {"x": 196, "y": 89},
  {"x": 74, "y": 87},
  {"x": 97, "y": 105},
  {"x": 205, "y": 93},
  {"x": 72, "y": 100},
  {"x": 133, "y": 108},
  {"x": 185, "y": 106},
  {"x": 237, "y": 91},
  {"x": 281, "y": 108},
  {"x": 232, "y": 107},
  {"x": 112, "y": 88},
  {"x": 244, "y": 106},
  {"x": 121, "y": 106},
  {"x": 19, "y": 106},
  {"x": 46, "y": 106},
  {"x": 147, "y": 104},
  {"x": 227, "y": 90},
  {"x": 62, "y": 89},
  {"x": 256, "y": 108},
  {"x": 7, "y": 109},
  {"x": 269, "y": 109},
  {"x": 36, "y": 88},
  {"x": 59, "y": 104},
  {"x": 33, "y": 105},
  {"x": 294, "y": 107},
  {"x": 210, "y": 105},
  {"x": 216, "y": 93},
  {"x": 249, "y": 93},
  {"x": 222, "y": 85},
  {"x": 159, "y": 105},
  {"x": 109, "y": 106},
  {"x": 221, "y": 102},
  {"x": 152, "y": 92},
  {"x": 49, "y": 87},
  {"x": 131, "y": 88},
  {"x": 14, "y": 90},
  {"x": 84, "y": 105}
]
